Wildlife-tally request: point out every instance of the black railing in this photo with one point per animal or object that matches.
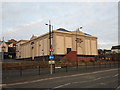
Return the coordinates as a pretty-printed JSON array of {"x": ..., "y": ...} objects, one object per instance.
[{"x": 38, "y": 69}]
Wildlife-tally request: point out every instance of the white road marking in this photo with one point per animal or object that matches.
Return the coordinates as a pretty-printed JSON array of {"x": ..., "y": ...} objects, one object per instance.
[
  {"x": 62, "y": 85},
  {"x": 102, "y": 83},
  {"x": 34, "y": 81},
  {"x": 86, "y": 81},
  {"x": 98, "y": 78},
  {"x": 2, "y": 85},
  {"x": 118, "y": 88},
  {"x": 115, "y": 75},
  {"x": 80, "y": 82}
]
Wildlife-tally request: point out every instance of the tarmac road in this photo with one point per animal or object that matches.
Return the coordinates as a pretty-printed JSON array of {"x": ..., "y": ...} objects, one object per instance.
[{"x": 96, "y": 79}]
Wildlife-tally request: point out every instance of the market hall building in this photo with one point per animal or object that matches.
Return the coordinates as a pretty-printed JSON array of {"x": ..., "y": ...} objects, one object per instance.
[{"x": 63, "y": 42}]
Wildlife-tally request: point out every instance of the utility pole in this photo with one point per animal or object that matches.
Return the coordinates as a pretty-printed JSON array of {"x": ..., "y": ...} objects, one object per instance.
[
  {"x": 76, "y": 51},
  {"x": 52, "y": 38},
  {"x": 49, "y": 35},
  {"x": 51, "y": 68},
  {"x": 50, "y": 45},
  {"x": 77, "y": 48},
  {"x": 43, "y": 55}
]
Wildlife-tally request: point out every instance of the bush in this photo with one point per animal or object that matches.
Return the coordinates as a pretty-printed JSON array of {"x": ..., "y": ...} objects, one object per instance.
[
  {"x": 92, "y": 61},
  {"x": 82, "y": 61}
]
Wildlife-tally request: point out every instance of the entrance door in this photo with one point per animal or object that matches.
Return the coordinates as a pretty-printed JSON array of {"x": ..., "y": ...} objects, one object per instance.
[{"x": 68, "y": 50}]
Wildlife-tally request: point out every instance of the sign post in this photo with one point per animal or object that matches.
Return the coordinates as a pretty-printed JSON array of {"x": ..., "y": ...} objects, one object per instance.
[
  {"x": 51, "y": 69},
  {"x": 51, "y": 57}
]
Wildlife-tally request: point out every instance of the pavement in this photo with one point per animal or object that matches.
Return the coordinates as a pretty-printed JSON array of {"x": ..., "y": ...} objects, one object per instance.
[{"x": 107, "y": 78}]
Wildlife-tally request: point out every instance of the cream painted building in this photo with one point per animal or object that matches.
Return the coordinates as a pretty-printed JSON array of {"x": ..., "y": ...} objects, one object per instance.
[
  {"x": 3, "y": 47},
  {"x": 63, "y": 41}
]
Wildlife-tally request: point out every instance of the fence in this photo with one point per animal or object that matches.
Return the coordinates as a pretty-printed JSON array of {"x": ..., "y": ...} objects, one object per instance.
[{"x": 42, "y": 68}]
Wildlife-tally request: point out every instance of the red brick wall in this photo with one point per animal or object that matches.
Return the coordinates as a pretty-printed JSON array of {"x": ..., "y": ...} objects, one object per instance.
[{"x": 72, "y": 57}]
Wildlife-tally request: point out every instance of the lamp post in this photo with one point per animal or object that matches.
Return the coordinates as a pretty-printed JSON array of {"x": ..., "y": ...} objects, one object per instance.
[
  {"x": 50, "y": 45},
  {"x": 32, "y": 47},
  {"x": 49, "y": 35},
  {"x": 76, "y": 51},
  {"x": 43, "y": 54},
  {"x": 77, "y": 48}
]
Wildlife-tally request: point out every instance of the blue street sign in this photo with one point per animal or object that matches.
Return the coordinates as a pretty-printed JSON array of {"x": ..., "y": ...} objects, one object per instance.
[{"x": 51, "y": 57}]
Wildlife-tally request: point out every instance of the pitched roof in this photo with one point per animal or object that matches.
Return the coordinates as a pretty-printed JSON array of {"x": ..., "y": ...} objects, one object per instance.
[
  {"x": 116, "y": 47},
  {"x": 33, "y": 37},
  {"x": 13, "y": 41},
  {"x": 62, "y": 29},
  {"x": 8, "y": 43},
  {"x": 22, "y": 41}
]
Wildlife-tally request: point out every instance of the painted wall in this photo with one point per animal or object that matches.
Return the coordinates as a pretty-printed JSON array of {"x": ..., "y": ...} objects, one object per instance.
[
  {"x": 88, "y": 46},
  {"x": 60, "y": 49},
  {"x": 33, "y": 48},
  {"x": 60, "y": 42},
  {"x": 5, "y": 49}
]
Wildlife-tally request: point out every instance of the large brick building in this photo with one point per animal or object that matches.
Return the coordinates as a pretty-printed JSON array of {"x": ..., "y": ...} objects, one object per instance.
[{"x": 63, "y": 42}]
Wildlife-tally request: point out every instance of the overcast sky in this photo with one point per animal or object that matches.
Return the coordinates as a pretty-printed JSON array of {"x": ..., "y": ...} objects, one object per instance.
[{"x": 21, "y": 20}]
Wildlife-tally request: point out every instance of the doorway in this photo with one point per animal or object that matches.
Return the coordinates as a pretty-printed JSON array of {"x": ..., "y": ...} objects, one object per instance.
[{"x": 68, "y": 50}]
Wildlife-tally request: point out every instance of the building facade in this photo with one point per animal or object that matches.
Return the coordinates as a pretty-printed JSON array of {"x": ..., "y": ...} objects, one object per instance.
[
  {"x": 115, "y": 49},
  {"x": 3, "y": 46},
  {"x": 63, "y": 42},
  {"x": 8, "y": 49}
]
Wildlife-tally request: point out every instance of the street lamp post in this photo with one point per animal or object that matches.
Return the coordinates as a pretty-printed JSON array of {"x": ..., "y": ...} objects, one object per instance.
[
  {"x": 76, "y": 51},
  {"x": 77, "y": 48},
  {"x": 43, "y": 54},
  {"x": 50, "y": 44},
  {"x": 49, "y": 35}
]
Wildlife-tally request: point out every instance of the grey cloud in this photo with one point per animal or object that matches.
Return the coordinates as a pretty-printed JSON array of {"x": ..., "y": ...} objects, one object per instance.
[{"x": 98, "y": 19}]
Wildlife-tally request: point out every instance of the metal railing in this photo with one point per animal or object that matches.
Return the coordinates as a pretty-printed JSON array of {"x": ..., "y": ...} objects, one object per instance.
[{"x": 39, "y": 69}]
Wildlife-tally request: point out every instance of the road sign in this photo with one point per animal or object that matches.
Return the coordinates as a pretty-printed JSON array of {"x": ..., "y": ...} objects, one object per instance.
[
  {"x": 51, "y": 50},
  {"x": 51, "y": 57},
  {"x": 51, "y": 62}
]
